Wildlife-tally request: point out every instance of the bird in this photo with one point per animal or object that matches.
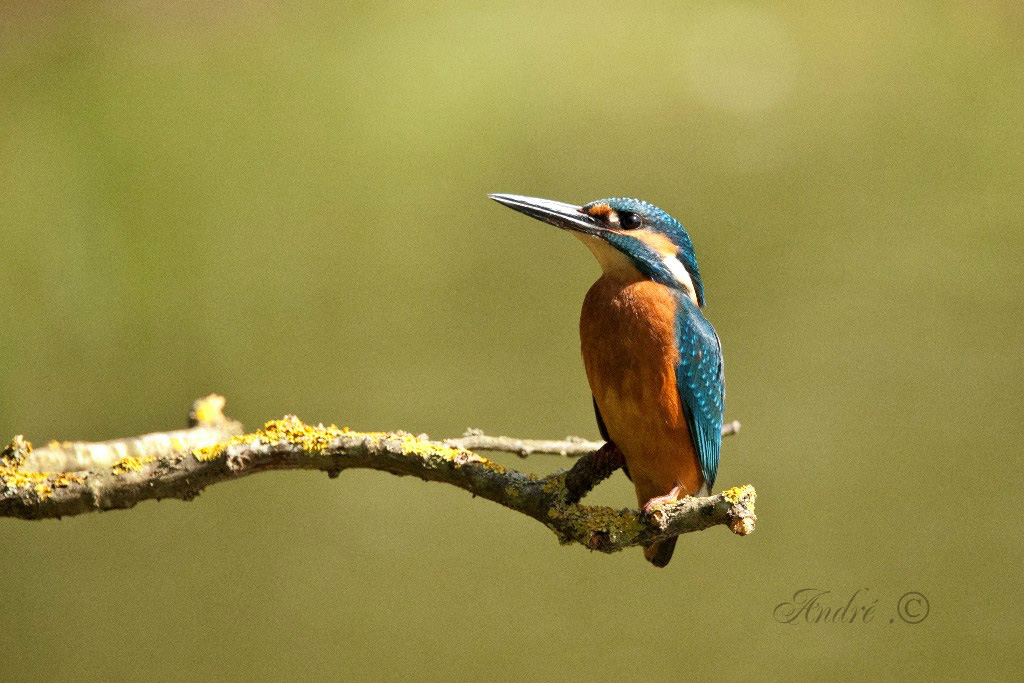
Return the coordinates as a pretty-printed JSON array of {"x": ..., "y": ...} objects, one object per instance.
[{"x": 653, "y": 361}]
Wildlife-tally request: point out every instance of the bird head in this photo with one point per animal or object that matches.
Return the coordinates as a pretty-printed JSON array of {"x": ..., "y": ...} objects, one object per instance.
[{"x": 625, "y": 235}]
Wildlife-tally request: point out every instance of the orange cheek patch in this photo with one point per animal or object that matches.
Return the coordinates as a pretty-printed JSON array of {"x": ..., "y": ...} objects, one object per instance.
[{"x": 655, "y": 240}]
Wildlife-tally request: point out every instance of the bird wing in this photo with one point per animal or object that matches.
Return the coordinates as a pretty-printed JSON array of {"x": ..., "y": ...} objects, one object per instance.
[
  {"x": 700, "y": 379},
  {"x": 604, "y": 435},
  {"x": 600, "y": 422}
]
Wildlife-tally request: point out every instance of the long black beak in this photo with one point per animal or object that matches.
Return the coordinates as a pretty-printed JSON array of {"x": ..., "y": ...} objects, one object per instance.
[{"x": 558, "y": 214}]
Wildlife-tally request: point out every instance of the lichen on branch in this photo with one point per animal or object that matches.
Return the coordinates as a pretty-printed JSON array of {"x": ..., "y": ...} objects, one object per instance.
[{"x": 180, "y": 464}]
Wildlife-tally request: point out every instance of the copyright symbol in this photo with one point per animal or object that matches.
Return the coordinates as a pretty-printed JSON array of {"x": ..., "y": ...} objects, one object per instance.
[{"x": 913, "y": 607}]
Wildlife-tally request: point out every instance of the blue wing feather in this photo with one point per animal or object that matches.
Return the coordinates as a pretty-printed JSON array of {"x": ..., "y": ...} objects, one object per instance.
[{"x": 700, "y": 379}]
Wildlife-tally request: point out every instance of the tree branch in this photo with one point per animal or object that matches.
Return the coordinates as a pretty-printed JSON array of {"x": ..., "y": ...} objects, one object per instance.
[
  {"x": 207, "y": 426},
  {"x": 180, "y": 464}
]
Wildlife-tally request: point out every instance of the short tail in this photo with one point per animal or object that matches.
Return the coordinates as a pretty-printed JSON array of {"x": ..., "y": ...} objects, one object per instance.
[{"x": 660, "y": 553}]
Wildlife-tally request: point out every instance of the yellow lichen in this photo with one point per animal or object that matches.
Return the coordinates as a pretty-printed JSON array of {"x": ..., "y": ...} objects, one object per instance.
[
  {"x": 14, "y": 453},
  {"x": 587, "y": 524},
  {"x": 12, "y": 478},
  {"x": 599, "y": 519},
  {"x": 209, "y": 410},
  {"x": 292, "y": 430},
  {"x": 412, "y": 445},
  {"x": 741, "y": 495},
  {"x": 556, "y": 484},
  {"x": 289, "y": 429},
  {"x": 744, "y": 519},
  {"x": 207, "y": 453},
  {"x": 131, "y": 464},
  {"x": 42, "y": 483}
]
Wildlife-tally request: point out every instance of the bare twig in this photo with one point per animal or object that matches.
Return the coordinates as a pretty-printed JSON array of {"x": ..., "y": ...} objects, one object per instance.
[
  {"x": 570, "y": 446},
  {"x": 156, "y": 473}
]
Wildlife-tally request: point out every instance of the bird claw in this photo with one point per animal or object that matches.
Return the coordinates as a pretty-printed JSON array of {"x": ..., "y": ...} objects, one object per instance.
[{"x": 653, "y": 507}]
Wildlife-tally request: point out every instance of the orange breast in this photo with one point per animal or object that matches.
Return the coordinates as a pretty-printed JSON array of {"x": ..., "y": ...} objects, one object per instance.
[{"x": 627, "y": 330}]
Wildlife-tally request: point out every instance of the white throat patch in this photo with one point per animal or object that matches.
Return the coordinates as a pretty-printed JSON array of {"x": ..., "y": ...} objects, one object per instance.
[
  {"x": 682, "y": 276},
  {"x": 614, "y": 261},
  {"x": 611, "y": 259}
]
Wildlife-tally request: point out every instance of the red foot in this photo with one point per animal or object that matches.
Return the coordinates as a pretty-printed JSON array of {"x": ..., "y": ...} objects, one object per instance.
[{"x": 670, "y": 497}]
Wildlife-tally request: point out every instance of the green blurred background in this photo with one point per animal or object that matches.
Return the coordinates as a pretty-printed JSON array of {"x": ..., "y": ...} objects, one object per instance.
[{"x": 287, "y": 204}]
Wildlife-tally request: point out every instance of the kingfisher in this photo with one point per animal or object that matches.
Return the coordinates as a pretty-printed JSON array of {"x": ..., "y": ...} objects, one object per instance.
[{"x": 653, "y": 361}]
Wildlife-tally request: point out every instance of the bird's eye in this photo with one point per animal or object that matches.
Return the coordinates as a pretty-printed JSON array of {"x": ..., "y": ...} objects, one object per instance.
[{"x": 629, "y": 220}]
